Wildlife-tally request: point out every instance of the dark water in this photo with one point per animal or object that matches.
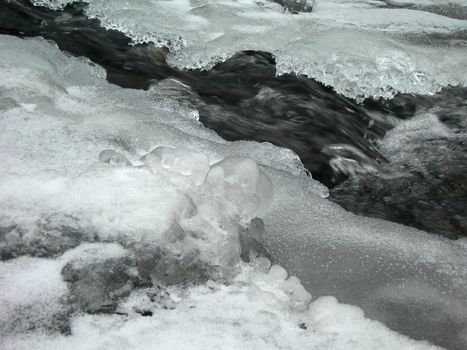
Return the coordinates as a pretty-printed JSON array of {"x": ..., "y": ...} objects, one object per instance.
[{"x": 335, "y": 137}]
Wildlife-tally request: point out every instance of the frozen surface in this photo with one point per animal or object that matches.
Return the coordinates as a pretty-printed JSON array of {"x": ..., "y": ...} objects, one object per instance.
[
  {"x": 256, "y": 311},
  {"x": 32, "y": 295},
  {"x": 413, "y": 281},
  {"x": 428, "y": 2},
  {"x": 359, "y": 47},
  {"x": 101, "y": 184}
]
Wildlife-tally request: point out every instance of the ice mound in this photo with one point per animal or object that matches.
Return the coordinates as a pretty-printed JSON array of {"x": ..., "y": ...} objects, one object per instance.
[
  {"x": 194, "y": 201},
  {"x": 218, "y": 316},
  {"x": 361, "y": 48},
  {"x": 165, "y": 203},
  {"x": 121, "y": 191},
  {"x": 256, "y": 190}
]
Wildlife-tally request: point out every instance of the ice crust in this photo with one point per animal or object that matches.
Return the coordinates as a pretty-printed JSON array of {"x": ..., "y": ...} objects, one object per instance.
[
  {"x": 32, "y": 295},
  {"x": 359, "y": 47},
  {"x": 96, "y": 178},
  {"x": 252, "y": 312}
]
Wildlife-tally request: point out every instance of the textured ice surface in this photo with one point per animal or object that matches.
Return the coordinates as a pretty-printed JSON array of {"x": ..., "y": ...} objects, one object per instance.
[
  {"x": 404, "y": 277},
  {"x": 359, "y": 47},
  {"x": 427, "y": 2},
  {"x": 146, "y": 198}
]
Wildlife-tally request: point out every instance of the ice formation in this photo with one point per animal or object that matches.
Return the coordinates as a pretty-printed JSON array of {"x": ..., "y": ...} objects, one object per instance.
[
  {"x": 126, "y": 206},
  {"x": 261, "y": 308},
  {"x": 360, "y": 48}
]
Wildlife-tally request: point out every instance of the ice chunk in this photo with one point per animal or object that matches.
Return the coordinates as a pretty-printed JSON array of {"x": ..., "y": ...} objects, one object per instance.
[
  {"x": 244, "y": 184},
  {"x": 191, "y": 164}
]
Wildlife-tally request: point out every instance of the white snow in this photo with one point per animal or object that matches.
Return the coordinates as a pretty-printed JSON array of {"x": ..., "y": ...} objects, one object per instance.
[
  {"x": 31, "y": 294},
  {"x": 250, "y": 313}
]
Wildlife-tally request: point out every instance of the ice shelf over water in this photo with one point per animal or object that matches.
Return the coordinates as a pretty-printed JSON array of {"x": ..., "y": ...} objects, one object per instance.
[
  {"x": 359, "y": 47},
  {"x": 114, "y": 202}
]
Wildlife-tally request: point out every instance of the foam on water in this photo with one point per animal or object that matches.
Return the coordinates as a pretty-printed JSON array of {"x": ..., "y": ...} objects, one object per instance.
[
  {"x": 85, "y": 161},
  {"x": 361, "y": 48}
]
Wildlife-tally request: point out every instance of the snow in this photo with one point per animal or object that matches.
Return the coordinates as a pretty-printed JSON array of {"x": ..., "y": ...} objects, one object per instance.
[
  {"x": 245, "y": 314},
  {"x": 116, "y": 181},
  {"x": 32, "y": 294}
]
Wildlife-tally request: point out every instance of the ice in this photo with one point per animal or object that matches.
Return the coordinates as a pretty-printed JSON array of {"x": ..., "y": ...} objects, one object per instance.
[
  {"x": 109, "y": 156},
  {"x": 427, "y": 2},
  {"x": 92, "y": 253},
  {"x": 243, "y": 174},
  {"x": 275, "y": 284},
  {"x": 99, "y": 275},
  {"x": 354, "y": 257},
  {"x": 103, "y": 175},
  {"x": 135, "y": 204},
  {"x": 218, "y": 316},
  {"x": 359, "y": 64},
  {"x": 160, "y": 224},
  {"x": 359, "y": 47},
  {"x": 33, "y": 296},
  {"x": 53, "y": 4},
  {"x": 193, "y": 165}
]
